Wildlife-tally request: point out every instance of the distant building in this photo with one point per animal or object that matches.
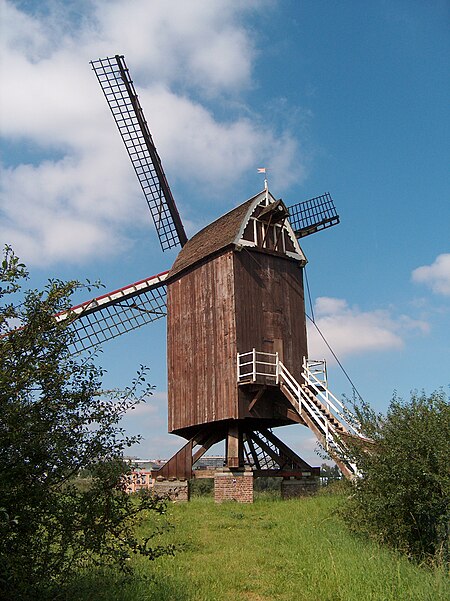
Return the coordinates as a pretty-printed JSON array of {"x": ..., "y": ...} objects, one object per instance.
[
  {"x": 144, "y": 474},
  {"x": 147, "y": 465},
  {"x": 211, "y": 462}
]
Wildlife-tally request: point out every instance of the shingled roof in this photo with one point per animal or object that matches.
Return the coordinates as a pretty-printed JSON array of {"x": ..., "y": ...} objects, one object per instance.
[{"x": 213, "y": 238}]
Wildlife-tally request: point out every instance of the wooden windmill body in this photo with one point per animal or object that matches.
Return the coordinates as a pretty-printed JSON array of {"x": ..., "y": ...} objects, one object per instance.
[
  {"x": 235, "y": 286},
  {"x": 237, "y": 347}
]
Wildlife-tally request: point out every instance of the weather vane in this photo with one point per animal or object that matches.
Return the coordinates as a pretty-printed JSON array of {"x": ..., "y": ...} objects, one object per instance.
[{"x": 266, "y": 185}]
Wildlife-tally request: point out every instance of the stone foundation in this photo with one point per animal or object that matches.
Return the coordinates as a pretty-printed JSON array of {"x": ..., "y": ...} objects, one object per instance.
[
  {"x": 175, "y": 490},
  {"x": 299, "y": 487},
  {"x": 233, "y": 485}
]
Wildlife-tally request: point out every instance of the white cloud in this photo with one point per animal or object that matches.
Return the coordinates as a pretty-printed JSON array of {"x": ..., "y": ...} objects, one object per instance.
[
  {"x": 153, "y": 405},
  {"x": 23, "y": 32},
  {"x": 436, "y": 275},
  {"x": 50, "y": 215},
  {"x": 350, "y": 331},
  {"x": 216, "y": 149},
  {"x": 195, "y": 43},
  {"x": 184, "y": 56}
]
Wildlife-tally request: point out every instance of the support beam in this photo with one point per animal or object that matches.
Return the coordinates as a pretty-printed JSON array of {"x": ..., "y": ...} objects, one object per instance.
[
  {"x": 253, "y": 453},
  {"x": 286, "y": 451},
  {"x": 207, "y": 444},
  {"x": 234, "y": 447},
  {"x": 267, "y": 449},
  {"x": 179, "y": 466},
  {"x": 256, "y": 398}
]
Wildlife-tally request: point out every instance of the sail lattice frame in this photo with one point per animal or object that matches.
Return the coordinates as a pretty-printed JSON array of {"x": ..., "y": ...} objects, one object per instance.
[
  {"x": 312, "y": 215},
  {"x": 117, "y": 85},
  {"x": 115, "y": 313}
]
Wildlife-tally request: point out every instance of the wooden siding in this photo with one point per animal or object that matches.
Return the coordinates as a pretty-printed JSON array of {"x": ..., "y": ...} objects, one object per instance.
[
  {"x": 232, "y": 303},
  {"x": 202, "y": 345},
  {"x": 270, "y": 307}
]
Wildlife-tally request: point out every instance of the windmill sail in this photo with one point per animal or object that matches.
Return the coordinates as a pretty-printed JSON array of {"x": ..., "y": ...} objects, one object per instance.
[
  {"x": 313, "y": 215},
  {"x": 117, "y": 86},
  {"x": 115, "y": 313}
]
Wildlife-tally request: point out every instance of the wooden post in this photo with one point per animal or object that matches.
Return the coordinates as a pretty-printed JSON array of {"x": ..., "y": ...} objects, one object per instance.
[{"x": 233, "y": 446}]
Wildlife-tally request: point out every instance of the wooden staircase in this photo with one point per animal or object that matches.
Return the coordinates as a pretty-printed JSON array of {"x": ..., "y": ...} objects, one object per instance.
[{"x": 318, "y": 408}]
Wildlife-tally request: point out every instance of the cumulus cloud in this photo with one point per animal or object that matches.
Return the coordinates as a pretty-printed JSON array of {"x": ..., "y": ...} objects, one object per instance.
[
  {"x": 350, "y": 331},
  {"x": 183, "y": 56},
  {"x": 436, "y": 275},
  {"x": 195, "y": 44},
  {"x": 216, "y": 149},
  {"x": 51, "y": 215}
]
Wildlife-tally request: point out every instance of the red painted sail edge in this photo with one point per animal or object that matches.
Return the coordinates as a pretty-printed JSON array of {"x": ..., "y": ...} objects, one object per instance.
[{"x": 156, "y": 279}]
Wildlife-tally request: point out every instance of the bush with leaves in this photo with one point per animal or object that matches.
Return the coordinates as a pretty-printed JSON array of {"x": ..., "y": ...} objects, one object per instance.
[
  {"x": 56, "y": 423},
  {"x": 403, "y": 496},
  {"x": 329, "y": 474}
]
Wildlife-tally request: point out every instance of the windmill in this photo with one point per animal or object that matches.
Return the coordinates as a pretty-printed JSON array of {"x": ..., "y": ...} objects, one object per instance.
[{"x": 236, "y": 324}]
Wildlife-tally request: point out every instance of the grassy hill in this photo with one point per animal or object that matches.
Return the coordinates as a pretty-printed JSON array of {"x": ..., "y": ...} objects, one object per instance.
[{"x": 271, "y": 550}]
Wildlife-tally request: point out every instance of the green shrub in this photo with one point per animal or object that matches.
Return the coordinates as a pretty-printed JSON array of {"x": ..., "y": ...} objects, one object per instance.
[
  {"x": 201, "y": 487},
  {"x": 402, "y": 498},
  {"x": 267, "y": 484},
  {"x": 56, "y": 424}
]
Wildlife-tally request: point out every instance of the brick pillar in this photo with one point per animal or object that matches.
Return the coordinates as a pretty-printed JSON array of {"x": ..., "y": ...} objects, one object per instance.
[
  {"x": 233, "y": 485},
  {"x": 299, "y": 487},
  {"x": 175, "y": 490}
]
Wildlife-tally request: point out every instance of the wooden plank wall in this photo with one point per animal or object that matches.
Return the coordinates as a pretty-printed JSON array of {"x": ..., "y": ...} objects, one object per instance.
[
  {"x": 202, "y": 345},
  {"x": 234, "y": 302},
  {"x": 270, "y": 314}
]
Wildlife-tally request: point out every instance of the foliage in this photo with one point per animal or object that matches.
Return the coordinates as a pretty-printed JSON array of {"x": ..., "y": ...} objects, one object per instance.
[
  {"x": 403, "y": 496},
  {"x": 201, "y": 487},
  {"x": 329, "y": 474},
  {"x": 55, "y": 424}
]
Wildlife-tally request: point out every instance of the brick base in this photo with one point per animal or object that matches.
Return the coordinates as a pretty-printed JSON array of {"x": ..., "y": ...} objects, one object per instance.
[
  {"x": 233, "y": 485},
  {"x": 175, "y": 490},
  {"x": 299, "y": 487}
]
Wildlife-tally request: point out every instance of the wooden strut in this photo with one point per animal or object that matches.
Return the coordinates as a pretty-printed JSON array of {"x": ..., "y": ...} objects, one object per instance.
[
  {"x": 288, "y": 463},
  {"x": 257, "y": 397},
  {"x": 269, "y": 451},
  {"x": 253, "y": 453},
  {"x": 180, "y": 465}
]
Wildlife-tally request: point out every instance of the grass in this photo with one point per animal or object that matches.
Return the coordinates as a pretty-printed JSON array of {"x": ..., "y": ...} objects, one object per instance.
[{"x": 271, "y": 550}]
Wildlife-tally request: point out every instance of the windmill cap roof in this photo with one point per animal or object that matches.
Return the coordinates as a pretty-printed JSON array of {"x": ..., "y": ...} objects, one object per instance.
[{"x": 213, "y": 238}]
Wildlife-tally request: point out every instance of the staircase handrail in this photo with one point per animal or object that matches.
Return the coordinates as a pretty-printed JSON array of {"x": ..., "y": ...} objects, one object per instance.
[
  {"x": 332, "y": 436},
  {"x": 304, "y": 401},
  {"x": 343, "y": 414},
  {"x": 294, "y": 387}
]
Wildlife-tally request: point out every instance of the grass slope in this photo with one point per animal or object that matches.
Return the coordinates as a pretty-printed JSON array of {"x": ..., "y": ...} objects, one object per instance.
[{"x": 271, "y": 550}]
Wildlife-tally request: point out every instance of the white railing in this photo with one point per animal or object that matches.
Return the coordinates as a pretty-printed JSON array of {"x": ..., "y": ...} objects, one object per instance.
[
  {"x": 256, "y": 366},
  {"x": 311, "y": 370},
  {"x": 304, "y": 402},
  {"x": 318, "y": 368}
]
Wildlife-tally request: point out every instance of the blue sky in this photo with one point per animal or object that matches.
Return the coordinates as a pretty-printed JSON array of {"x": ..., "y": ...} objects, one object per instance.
[{"x": 349, "y": 97}]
